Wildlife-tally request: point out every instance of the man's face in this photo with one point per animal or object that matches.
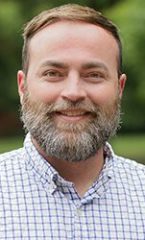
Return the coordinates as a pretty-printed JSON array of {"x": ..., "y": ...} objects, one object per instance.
[{"x": 71, "y": 100}]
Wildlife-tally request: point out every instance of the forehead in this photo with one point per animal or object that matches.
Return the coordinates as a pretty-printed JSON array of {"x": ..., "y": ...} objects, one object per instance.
[
  {"x": 73, "y": 30},
  {"x": 73, "y": 39}
]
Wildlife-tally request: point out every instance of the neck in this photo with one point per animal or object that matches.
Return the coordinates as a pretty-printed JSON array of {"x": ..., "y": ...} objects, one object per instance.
[{"x": 82, "y": 173}]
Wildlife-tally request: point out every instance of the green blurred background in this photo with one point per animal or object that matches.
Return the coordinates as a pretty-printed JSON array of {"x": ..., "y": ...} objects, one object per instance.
[{"x": 129, "y": 16}]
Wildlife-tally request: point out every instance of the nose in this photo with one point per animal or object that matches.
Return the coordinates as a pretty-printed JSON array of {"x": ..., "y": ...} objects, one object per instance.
[{"x": 74, "y": 89}]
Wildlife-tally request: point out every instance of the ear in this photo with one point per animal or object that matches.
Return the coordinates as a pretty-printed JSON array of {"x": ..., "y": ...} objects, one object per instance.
[
  {"x": 122, "y": 81},
  {"x": 21, "y": 84}
]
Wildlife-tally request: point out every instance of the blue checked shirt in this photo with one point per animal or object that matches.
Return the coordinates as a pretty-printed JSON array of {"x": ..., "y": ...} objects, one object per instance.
[{"x": 37, "y": 204}]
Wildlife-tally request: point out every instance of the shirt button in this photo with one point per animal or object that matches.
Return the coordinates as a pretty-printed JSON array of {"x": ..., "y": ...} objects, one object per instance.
[{"x": 79, "y": 212}]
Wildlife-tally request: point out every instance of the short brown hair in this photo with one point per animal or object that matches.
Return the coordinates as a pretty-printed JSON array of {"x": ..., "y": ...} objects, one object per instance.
[{"x": 70, "y": 12}]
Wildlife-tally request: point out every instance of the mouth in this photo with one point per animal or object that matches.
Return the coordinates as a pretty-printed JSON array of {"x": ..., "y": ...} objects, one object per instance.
[{"x": 73, "y": 115}]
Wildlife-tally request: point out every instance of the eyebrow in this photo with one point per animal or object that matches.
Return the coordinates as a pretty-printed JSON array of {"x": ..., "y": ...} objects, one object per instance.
[
  {"x": 89, "y": 65},
  {"x": 95, "y": 65},
  {"x": 54, "y": 64}
]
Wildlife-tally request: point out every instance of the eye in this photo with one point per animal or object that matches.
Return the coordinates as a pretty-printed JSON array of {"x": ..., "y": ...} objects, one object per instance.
[
  {"x": 94, "y": 76},
  {"x": 53, "y": 75}
]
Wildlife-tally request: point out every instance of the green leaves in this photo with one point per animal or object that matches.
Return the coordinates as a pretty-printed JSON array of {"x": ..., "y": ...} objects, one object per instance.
[{"x": 129, "y": 16}]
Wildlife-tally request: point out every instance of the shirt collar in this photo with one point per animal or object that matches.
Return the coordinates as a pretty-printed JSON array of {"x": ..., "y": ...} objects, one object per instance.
[
  {"x": 35, "y": 162},
  {"x": 101, "y": 185}
]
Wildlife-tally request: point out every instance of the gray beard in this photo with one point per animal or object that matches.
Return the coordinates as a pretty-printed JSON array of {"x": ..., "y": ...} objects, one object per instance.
[{"x": 72, "y": 142}]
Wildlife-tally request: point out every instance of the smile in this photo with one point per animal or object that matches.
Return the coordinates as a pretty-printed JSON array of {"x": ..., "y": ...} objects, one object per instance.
[{"x": 73, "y": 115}]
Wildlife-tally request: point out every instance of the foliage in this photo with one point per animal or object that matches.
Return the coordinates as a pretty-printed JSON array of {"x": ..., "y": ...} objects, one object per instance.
[
  {"x": 10, "y": 24},
  {"x": 129, "y": 16},
  {"x": 130, "y": 146}
]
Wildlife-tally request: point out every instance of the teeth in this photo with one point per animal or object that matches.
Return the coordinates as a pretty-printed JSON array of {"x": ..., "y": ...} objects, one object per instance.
[{"x": 73, "y": 113}]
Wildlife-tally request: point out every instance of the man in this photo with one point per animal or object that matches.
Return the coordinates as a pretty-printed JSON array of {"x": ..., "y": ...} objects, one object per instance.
[{"x": 66, "y": 182}]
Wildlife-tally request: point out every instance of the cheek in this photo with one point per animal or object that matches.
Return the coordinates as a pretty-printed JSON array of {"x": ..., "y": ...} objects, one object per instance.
[
  {"x": 103, "y": 95},
  {"x": 45, "y": 93}
]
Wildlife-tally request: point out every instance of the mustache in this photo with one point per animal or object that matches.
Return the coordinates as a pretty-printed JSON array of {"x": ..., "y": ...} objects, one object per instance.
[
  {"x": 66, "y": 105},
  {"x": 63, "y": 105}
]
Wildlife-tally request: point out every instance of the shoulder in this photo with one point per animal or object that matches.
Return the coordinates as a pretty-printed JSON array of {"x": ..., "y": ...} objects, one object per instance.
[
  {"x": 129, "y": 165},
  {"x": 11, "y": 154},
  {"x": 12, "y": 167},
  {"x": 11, "y": 159},
  {"x": 123, "y": 166},
  {"x": 129, "y": 173}
]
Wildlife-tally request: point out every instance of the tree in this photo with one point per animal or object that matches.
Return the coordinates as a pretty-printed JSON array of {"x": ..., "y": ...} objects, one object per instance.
[{"x": 130, "y": 18}]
